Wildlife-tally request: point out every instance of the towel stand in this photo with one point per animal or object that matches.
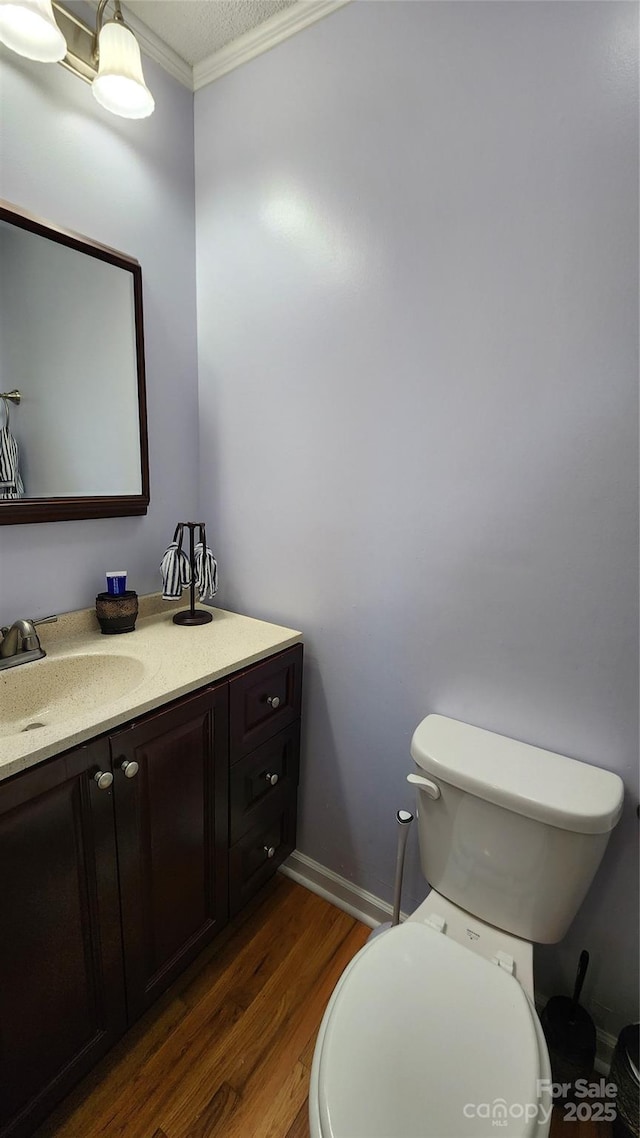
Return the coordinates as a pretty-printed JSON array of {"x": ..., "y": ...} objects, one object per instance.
[{"x": 192, "y": 615}]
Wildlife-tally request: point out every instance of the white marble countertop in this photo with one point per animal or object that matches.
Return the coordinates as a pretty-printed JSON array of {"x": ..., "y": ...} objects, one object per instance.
[{"x": 157, "y": 663}]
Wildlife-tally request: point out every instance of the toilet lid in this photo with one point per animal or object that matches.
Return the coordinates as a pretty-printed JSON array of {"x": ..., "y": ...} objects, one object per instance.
[{"x": 424, "y": 1039}]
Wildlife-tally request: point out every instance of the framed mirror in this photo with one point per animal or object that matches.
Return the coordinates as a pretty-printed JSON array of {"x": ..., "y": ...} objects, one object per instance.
[{"x": 73, "y": 419}]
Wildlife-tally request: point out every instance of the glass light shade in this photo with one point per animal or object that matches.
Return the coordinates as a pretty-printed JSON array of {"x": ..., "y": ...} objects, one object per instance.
[
  {"x": 29, "y": 28},
  {"x": 119, "y": 85}
]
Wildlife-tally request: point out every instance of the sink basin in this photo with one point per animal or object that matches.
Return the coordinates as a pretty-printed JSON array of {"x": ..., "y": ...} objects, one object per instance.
[{"x": 42, "y": 693}]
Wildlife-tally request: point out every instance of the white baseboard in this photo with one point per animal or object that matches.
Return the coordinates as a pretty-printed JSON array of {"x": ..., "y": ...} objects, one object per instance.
[
  {"x": 357, "y": 902},
  {"x": 372, "y": 911}
]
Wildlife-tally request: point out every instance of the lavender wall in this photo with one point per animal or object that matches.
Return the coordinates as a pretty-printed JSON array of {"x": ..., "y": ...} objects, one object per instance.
[
  {"x": 129, "y": 185},
  {"x": 417, "y": 310}
]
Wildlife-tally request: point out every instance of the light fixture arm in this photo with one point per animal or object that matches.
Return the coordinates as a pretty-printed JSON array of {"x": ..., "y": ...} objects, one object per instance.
[
  {"x": 100, "y": 13},
  {"x": 117, "y": 17}
]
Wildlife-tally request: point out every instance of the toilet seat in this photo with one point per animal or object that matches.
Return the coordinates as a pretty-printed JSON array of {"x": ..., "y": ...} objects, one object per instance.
[{"x": 424, "y": 1039}]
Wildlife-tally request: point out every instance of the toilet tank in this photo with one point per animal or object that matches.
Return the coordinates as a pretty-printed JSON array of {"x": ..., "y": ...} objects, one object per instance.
[{"x": 517, "y": 833}]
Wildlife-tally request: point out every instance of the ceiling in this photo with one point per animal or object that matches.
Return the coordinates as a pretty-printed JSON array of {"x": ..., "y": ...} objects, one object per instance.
[
  {"x": 196, "y": 29},
  {"x": 198, "y": 41}
]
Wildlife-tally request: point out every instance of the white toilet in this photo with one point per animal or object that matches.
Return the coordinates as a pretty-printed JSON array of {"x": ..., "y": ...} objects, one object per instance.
[{"x": 431, "y": 1031}]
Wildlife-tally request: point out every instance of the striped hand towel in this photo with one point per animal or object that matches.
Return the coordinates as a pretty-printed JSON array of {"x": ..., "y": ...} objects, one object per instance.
[
  {"x": 11, "y": 484},
  {"x": 206, "y": 571},
  {"x": 175, "y": 569}
]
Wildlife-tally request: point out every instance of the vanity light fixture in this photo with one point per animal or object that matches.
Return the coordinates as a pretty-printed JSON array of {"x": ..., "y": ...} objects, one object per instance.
[
  {"x": 107, "y": 57},
  {"x": 29, "y": 27}
]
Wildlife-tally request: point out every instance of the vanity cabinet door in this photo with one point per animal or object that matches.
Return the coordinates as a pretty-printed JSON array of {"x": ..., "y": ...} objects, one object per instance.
[
  {"x": 61, "y": 978},
  {"x": 172, "y": 829}
]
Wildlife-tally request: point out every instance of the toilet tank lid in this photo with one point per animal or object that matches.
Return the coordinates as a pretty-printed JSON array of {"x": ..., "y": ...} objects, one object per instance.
[{"x": 538, "y": 784}]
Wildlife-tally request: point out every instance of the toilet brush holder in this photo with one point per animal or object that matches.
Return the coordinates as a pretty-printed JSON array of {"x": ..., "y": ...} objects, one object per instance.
[
  {"x": 570, "y": 1034},
  {"x": 404, "y": 820}
]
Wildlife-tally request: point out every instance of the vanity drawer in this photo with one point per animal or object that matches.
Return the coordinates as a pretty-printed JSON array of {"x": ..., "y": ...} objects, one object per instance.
[
  {"x": 250, "y": 865},
  {"x": 259, "y": 780},
  {"x": 263, "y": 700}
]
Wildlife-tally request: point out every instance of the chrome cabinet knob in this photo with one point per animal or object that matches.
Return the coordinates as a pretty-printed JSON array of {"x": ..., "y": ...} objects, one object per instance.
[
  {"x": 130, "y": 768},
  {"x": 272, "y": 779},
  {"x": 103, "y": 779},
  {"x": 270, "y": 850},
  {"x": 273, "y": 701}
]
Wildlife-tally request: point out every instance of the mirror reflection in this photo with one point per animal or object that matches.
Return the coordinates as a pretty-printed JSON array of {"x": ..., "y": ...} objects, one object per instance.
[{"x": 71, "y": 356}]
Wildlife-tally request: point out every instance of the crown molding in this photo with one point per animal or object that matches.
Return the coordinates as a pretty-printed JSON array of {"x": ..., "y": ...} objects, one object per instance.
[
  {"x": 267, "y": 35},
  {"x": 157, "y": 49}
]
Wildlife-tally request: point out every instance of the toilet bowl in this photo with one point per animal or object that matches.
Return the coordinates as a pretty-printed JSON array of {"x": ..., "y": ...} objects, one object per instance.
[
  {"x": 425, "y": 1038},
  {"x": 431, "y": 1031}
]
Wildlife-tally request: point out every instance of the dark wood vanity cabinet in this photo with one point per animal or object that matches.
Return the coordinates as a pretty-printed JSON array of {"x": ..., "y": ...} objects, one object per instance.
[
  {"x": 264, "y": 735},
  {"x": 110, "y": 886},
  {"x": 61, "y": 979},
  {"x": 171, "y": 826}
]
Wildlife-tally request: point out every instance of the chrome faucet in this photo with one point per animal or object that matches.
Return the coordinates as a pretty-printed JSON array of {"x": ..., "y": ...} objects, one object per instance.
[{"x": 21, "y": 643}]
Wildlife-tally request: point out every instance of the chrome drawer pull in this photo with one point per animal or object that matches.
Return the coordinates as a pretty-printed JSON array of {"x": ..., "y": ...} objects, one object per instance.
[
  {"x": 130, "y": 768},
  {"x": 272, "y": 779},
  {"x": 103, "y": 779},
  {"x": 273, "y": 701},
  {"x": 270, "y": 851}
]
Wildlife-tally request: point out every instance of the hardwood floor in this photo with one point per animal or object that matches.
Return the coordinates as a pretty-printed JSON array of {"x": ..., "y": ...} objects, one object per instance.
[{"x": 226, "y": 1052}]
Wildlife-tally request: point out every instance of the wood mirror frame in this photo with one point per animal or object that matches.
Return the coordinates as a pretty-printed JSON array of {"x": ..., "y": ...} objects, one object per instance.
[{"x": 17, "y": 511}]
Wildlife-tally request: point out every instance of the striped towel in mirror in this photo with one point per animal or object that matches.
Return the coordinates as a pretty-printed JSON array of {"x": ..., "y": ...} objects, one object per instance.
[{"x": 11, "y": 484}]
